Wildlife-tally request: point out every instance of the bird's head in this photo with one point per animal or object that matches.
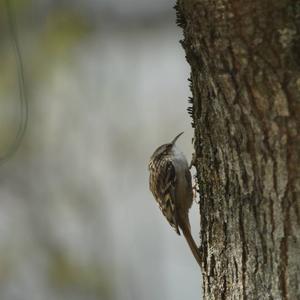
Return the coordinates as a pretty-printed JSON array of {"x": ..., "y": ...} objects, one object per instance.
[{"x": 165, "y": 148}]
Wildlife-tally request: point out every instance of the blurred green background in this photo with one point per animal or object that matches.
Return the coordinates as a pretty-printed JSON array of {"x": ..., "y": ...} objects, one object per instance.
[{"x": 106, "y": 84}]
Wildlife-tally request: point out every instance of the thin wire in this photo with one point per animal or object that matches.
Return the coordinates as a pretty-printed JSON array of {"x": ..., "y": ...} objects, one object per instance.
[{"x": 21, "y": 82}]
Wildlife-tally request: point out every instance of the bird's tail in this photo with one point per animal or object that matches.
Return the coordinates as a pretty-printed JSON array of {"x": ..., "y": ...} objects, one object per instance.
[{"x": 185, "y": 228}]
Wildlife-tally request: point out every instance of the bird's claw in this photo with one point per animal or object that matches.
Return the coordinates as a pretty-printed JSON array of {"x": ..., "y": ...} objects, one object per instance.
[{"x": 193, "y": 161}]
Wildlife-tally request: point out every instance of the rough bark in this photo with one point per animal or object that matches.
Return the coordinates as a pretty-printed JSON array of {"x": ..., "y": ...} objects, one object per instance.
[{"x": 245, "y": 81}]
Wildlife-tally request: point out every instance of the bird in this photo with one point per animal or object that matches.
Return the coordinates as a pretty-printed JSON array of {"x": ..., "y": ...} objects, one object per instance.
[{"x": 170, "y": 182}]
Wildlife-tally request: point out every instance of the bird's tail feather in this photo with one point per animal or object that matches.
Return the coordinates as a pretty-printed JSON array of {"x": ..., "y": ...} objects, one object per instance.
[{"x": 185, "y": 228}]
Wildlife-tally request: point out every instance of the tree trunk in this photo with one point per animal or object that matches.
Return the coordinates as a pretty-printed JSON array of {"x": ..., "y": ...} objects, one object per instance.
[{"x": 245, "y": 81}]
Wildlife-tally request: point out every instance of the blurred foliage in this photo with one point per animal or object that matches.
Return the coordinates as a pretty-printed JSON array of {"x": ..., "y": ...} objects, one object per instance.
[
  {"x": 6, "y": 267},
  {"x": 89, "y": 278},
  {"x": 18, "y": 5},
  {"x": 40, "y": 48},
  {"x": 62, "y": 30}
]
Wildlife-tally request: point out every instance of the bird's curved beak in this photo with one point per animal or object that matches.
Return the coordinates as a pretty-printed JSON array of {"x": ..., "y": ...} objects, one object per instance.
[{"x": 176, "y": 137}]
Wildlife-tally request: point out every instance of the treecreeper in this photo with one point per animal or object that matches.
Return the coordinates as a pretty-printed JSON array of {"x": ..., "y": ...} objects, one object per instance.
[{"x": 170, "y": 182}]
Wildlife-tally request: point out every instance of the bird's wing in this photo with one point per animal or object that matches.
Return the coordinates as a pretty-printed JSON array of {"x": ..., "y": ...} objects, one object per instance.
[{"x": 164, "y": 191}]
